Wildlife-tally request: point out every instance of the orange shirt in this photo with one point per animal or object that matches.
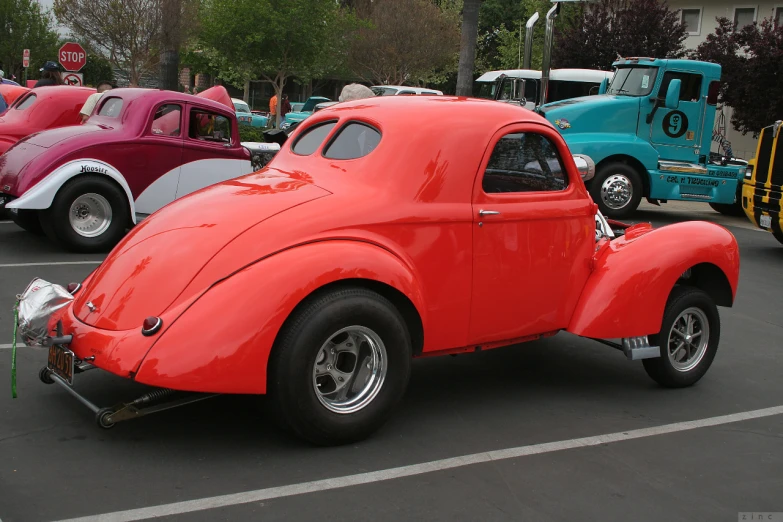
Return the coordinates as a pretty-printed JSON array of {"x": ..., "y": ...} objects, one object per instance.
[{"x": 273, "y": 104}]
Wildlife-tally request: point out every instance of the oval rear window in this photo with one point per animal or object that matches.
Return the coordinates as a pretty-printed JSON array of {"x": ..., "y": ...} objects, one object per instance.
[
  {"x": 354, "y": 140},
  {"x": 312, "y": 138},
  {"x": 111, "y": 108},
  {"x": 26, "y": 102}
]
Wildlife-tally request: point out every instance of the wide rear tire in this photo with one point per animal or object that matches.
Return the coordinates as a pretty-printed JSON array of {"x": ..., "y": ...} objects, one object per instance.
[
  {"x": 689, "y": 339},
  {"x": 340, "y": 366},
  {"x": 88, "y": 214}
]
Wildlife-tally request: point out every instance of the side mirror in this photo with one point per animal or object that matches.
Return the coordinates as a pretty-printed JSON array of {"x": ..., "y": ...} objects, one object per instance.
[
  {"x": 585, "y": 165},
  {"x": 673, "y": 94},
  {"x": 604, "y": 85}
]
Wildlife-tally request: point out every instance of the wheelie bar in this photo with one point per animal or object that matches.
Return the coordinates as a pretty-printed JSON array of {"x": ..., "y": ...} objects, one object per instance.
[{"x": 107, "y": 417}]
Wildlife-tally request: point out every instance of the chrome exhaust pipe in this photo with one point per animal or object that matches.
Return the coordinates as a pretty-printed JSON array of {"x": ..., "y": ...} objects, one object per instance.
[
  {"x": 547, "y": 59},
  {"x": 529, "y": 40}
]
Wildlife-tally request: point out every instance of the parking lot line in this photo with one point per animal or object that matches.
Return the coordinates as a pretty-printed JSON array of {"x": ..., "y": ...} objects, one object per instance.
[
  {"x": 51, "y": 263},
  {"x": 5, "y": 222},
  {"x": 190, "y": 506}
]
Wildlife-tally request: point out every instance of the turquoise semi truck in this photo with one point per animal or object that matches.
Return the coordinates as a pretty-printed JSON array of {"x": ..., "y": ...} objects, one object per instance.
[{"x": 649, "y": 133}]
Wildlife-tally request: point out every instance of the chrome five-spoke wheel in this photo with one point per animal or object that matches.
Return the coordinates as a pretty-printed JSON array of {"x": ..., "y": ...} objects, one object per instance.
[
  {"x": 90, "y": 215},
  {"x": 688, "y": 339},
  {"x": 350, "y": 369}
]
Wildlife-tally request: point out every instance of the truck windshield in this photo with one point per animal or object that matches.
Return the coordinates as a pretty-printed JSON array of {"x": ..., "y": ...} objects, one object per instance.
[
  {"x": 485, "y": 90},
  {"x": 633, "y": 81}
]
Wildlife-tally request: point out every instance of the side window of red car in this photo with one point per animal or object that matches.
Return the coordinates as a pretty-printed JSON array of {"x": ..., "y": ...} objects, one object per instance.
[
  {"x": 166, "y": 121},
  {"x": 111, "y": 108},
  {"x": 524, "y": 162},
  {"x": 209, "y": 126},
  {"x": 26, "y": 103},
  {"x": 354, "y": 140}
]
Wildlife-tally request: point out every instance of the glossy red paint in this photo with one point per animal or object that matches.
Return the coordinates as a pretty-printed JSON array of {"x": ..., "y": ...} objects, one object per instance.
[
  {"x": 225, "y": 266},
  {"x": 41, "y": 109},
  {"x": 10, "y": 93}
]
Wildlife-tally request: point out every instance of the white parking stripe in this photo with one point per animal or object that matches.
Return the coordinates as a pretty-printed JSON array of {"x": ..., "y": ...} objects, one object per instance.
[
  {"x": 258, "y": 495},
  {"x": 4, "y": 222},
  {"x": 51, "y": 263}
]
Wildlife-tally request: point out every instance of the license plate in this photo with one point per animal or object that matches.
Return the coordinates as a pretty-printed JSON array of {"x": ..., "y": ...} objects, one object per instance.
[
  {"x": 765, "y": 222},
  {"x": 61, "y": 362}
]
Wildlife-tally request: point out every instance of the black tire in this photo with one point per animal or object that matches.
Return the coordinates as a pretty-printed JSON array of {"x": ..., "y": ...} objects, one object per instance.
[
  {"x": 56, "y": 223},
  {"x": 661, "y": 369},
  {"x": 732, "y": 209},
  {"x": 28, "y": 220},
  {"x": 44, "y": 374},
  {"x": 292, "y": 364},
  {"x": 608, "y": 170},
  {"x": 778, "y": 235}
]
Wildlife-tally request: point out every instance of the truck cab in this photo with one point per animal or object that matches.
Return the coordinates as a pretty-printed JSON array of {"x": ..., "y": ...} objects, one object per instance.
[{"x": 649, "y": 131}]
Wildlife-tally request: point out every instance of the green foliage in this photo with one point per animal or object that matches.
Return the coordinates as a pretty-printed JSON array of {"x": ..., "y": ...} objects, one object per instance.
[
  {"x": 25, "y": 25},
  {"x": 97, "y": 69},
  {"x": 249, "y": 133},
  {"x": 638, "y": 28}
]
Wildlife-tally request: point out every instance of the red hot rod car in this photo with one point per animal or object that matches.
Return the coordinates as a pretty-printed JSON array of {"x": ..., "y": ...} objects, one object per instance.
[
  {"x": 367, "y": 243},
  {"x": 84, "y": 185},
  {"x": 41, "y": 109}
]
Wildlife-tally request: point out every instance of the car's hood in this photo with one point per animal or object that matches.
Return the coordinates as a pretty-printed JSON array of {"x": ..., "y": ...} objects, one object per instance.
[
  {"x": 297, "y": 116},
  {"x": 600, "y": 113},
  {"x": 151, "y": 266}
]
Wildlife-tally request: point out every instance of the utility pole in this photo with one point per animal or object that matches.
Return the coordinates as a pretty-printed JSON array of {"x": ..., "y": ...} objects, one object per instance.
[{"x": 171, "y": 36}]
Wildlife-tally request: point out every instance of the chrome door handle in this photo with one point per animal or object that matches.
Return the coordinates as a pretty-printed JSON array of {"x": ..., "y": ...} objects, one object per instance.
[{"x": 488, "y": 213}]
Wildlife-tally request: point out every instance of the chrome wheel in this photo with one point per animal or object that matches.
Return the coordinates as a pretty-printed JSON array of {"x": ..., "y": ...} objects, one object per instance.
[
  {"x": 90, "y": 215},
  {"x": 616, "y": 191},
  {"x": 350, "y": 369},
  {"x": 688, "y": 339}
]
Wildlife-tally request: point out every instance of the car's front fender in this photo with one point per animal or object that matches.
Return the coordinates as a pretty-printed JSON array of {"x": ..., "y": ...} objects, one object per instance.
[
  {"x": 222, "y": 342},
  {"x": 633, "y": 276},
  {"x": 41, "y": 195}
]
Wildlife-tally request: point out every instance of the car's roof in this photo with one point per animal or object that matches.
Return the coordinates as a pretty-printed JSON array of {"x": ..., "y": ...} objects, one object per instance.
[
  {"x": 237, "y": 100},
  {"x": 406, "y": 88},
  {"x": 441, "y": 145},
  {"x": 569, "y": 75}
]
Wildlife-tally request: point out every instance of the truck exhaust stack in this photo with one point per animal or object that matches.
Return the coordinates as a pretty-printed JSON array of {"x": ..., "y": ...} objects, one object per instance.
[
  {"x": 529, "y": 40},
  {"x": 547, "y": 58}
]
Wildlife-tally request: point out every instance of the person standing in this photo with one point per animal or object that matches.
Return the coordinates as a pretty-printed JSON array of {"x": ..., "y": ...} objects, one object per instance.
[
  {"x": 50, "y": 75},
  {"x": 92, "y": 101},
  {"x": 285, "y": 106},
  {"x": 273, "y": 111}
]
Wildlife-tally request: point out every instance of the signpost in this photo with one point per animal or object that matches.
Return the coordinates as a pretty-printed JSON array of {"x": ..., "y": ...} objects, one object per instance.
[
  {"x": 25, "y": 63},
  {"x": 75, "y": 79},
  {"x": 72, "y": 57}
]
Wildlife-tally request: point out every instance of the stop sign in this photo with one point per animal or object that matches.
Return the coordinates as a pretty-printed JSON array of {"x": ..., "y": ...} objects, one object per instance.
[{"x": 72, "y": 56}]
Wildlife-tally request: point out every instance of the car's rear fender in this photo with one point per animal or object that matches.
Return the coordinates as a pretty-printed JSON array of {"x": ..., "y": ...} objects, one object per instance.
[
  {"x": 41, "y": 195},
  {"x": 633, "y": 276},
  {"x": 222, "y": 342}
]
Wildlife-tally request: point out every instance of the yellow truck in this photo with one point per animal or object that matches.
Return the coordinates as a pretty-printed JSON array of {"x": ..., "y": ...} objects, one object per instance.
[{"x": 763, "y": 184}]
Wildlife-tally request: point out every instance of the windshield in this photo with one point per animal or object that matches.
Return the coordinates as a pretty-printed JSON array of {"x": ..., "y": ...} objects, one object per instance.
[
  {"x": 384, "y": 91},
  {"x": 241, "y": 107},
  {"x": 633, "y": 81},
  {"x": 485, "y": 90}
]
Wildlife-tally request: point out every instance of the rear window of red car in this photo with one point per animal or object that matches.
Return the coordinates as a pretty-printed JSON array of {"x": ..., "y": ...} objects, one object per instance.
[
  {"x": 25, "y": 103},
  {"x": 352, "y": 141}
]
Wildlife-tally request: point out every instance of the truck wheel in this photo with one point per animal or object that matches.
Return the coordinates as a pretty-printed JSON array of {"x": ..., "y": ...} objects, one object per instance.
[
  {"x": 340, "y": 366},
  {"x": 617, "y": 189},
  {"x": 88, "y": 214},
  {"x": 689, "y": 338},
  {"x": 28, "y": 220},
  {"x": 778, "y": 235}
]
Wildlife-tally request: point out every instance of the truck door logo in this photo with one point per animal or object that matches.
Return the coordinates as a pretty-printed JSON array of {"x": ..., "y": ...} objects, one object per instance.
[{"x": 675, "y": 124}]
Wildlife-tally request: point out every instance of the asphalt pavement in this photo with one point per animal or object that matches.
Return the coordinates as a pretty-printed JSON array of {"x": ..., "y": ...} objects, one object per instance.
[{"x": 560, "y": 429}]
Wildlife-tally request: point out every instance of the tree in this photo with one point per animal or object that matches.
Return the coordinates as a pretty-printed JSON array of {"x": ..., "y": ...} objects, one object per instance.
[
  {"x": 404, "y": 41},
  {"x": 97, "y": 69},
  {"x": 25, "y": 25},
  {"x": 751, "y": 60},
  {"x": 467, "y": 47},
  {"x": 272, "y": 40},
  {"x": 126, "y": 31},
  {"x": 596, "y": 33}
]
